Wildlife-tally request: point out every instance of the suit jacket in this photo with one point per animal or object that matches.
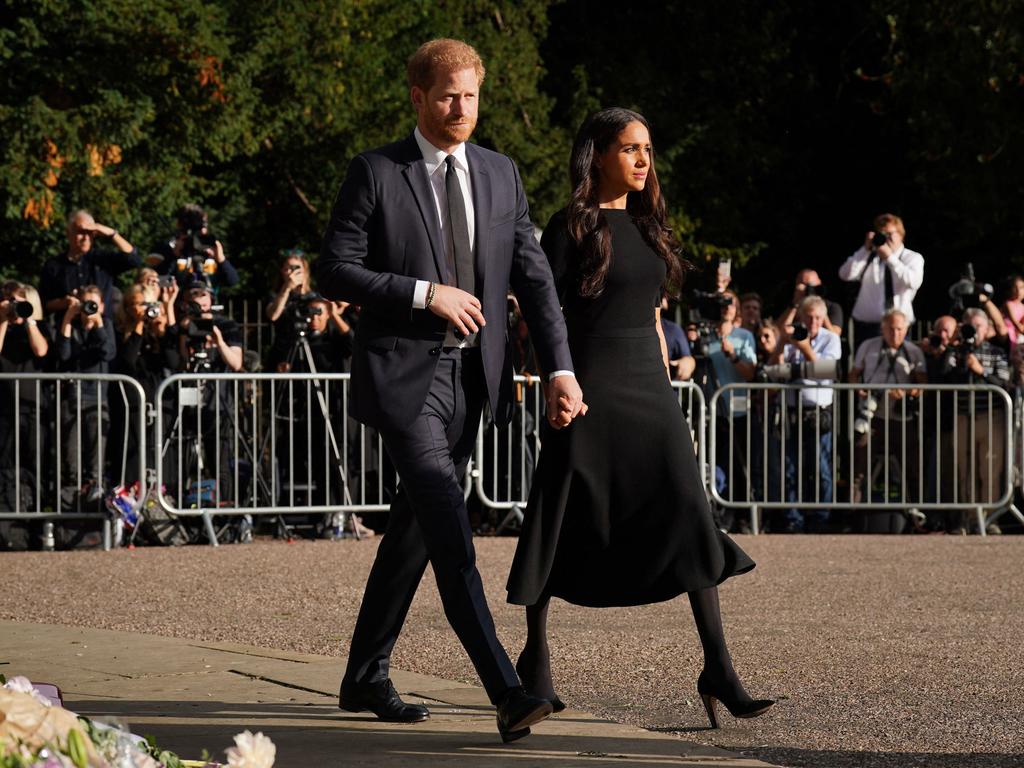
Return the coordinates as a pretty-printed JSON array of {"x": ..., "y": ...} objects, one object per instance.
[{"x": 384, "y": 236}]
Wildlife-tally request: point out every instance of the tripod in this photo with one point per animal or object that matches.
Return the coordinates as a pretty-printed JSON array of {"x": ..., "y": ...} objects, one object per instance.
[
  {"x": 193, "y": 455},
  {"x": 300, "y": 350}
]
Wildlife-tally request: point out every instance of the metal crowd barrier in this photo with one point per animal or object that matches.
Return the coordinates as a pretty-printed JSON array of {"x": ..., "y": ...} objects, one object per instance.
[
  {"x": 505, "y": 458},
  {"x": 947, "y": 449},
  {"x": 56, "y": 433}
]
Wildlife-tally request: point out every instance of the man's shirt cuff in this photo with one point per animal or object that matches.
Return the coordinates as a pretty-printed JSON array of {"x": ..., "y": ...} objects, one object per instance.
[
  {"x": 419, "y": 294},
  {"x": 554, "y": 374}
]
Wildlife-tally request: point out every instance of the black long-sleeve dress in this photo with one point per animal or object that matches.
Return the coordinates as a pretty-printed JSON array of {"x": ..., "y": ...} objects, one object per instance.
[{"x": 617, "y": 512}]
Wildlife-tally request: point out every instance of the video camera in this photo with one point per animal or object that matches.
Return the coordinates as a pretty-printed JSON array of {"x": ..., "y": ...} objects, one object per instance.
[
  {"x": 303, "y": 309},
  {"x": 964, "y": 292}
]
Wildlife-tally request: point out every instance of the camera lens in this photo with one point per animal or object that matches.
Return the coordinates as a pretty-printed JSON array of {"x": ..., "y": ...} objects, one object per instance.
[
  {"x": 879, "y": 238},
  {"x": 152, "y": 311},
  {"x": 799, "y": 332},
  {"x": 23, "y": 309},
  {"x": 90, "y": 307}
]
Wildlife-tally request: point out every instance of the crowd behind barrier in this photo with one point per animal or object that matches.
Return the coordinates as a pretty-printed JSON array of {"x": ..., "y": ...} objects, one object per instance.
[{"x": 234, "y": 408}]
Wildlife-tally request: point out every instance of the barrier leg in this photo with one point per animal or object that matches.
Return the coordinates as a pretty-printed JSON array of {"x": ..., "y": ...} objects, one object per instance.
[
  {"x": 755, "y": 519},
  {"x": 107, "y": 535},
  {"x": 981, "y": 520},
  {"x": 211, "y": 534}
]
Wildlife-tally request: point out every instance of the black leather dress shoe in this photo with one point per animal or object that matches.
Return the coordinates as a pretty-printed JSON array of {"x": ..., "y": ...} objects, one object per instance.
[
  {"x": 517, "y": 711},
  {"x": 383, "y": 700}
]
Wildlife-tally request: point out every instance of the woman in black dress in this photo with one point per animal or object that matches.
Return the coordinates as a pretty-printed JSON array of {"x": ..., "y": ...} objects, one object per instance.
[{"x": 617, "y": 513}]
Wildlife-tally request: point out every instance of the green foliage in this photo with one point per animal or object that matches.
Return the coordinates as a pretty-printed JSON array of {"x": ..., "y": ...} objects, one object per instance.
[{"x": 133, "y": 107}]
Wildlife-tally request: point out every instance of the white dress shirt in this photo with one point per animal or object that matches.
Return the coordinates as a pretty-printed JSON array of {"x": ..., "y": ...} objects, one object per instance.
[
  {"x": 907, "y": 268},
  {"x": 434, "y": 160}
]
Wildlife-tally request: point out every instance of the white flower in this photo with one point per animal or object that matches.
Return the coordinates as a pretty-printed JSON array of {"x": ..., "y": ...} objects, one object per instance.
[
  {"x": 22, "y": 684},
  {"x": 251, "y": 751}
]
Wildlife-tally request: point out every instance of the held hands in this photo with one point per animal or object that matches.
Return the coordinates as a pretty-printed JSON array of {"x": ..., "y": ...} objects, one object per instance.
[
  {"x": 459, "y": 308},
  {"x": 564, "y": 401}
]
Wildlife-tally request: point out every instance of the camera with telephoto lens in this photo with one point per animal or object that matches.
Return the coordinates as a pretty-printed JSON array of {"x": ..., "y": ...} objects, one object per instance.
[
  {"x": 90, "y": 307},
  {"x": 817, "y": 370},
  {"x": 965, "y": 291},
  {"x": 879, "y": 239},
  {"x": 866, "y": 409},
  {"x": 22, "y": 309},
  {"x": 814, "y": 290}
]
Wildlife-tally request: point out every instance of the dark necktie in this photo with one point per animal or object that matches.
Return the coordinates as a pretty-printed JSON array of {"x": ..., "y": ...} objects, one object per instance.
[
  {"x": 889, "y": 292},
  {"x": 465, "y": 277}
]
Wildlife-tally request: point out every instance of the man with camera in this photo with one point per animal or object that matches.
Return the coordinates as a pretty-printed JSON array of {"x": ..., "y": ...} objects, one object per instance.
[
  {"x": 886, "y": 419},
  {"x": 85, "y": 344},
  {"x": 809, "y": 347},
  {"x": 195, "y": 254},
  {"x": 63, "y": 276},
  {"x": 974, "y": 439},
  {"x": 208, "y": 340},
  {"x": 808, "y": 283},
  {"x": 889, "y": 274}
]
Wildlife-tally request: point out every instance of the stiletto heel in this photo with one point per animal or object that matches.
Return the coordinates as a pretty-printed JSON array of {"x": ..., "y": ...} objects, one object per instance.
[
  {"x": 709, "y": 706},
  {"x": 710, "y": 694}
]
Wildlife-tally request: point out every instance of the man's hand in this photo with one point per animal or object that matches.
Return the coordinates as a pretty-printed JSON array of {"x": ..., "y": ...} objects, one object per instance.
[
  {"x": 564, "y": 401},
  {"x": 218, "y": 252},
  {"x": 459, "y": 308},
  {"x": 102, "y": 230},
  {"x": 74, "y": 307}
]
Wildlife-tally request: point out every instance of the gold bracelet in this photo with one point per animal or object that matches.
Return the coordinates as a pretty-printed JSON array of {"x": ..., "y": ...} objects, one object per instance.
[{"x": 430, "y": 295}]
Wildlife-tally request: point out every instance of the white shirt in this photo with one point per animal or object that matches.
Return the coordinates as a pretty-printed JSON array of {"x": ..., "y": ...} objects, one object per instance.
[
  {"x": 826, "y": 346},
  {"x": 907, "y": 268},
  {"x": 434, "y": 160}
]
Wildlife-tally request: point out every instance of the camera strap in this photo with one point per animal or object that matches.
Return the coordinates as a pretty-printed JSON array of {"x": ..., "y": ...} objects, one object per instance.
[{"x": 890, "y": 376}]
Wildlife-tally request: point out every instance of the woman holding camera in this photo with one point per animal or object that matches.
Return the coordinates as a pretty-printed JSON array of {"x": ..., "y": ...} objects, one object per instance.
[
  {"x": 617, "y": 513},
  {"x": 291, "y": 281}
]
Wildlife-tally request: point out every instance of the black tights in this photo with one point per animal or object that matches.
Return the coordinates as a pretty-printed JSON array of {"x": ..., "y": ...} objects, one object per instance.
[{"x": 534, "y": 664}]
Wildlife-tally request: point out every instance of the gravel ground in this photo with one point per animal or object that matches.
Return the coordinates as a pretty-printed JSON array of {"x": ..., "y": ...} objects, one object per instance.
[{"x": 883, "y": 651}]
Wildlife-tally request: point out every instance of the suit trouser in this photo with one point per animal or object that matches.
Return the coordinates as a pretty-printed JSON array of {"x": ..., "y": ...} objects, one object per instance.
[{"x": 429, "y": 522}]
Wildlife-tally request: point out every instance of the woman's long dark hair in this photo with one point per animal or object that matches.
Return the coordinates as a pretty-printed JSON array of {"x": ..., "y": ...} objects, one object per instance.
[{"x": 587, "y": 224}]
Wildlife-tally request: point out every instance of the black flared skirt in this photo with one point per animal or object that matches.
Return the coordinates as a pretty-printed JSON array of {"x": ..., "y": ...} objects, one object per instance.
[{"x": 617, "y": 513}]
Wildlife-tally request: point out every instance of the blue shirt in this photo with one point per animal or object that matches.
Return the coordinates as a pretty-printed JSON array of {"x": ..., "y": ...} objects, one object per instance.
[
  {"x": 746, "y": 351},
  {"x": 675, "y": 340}
]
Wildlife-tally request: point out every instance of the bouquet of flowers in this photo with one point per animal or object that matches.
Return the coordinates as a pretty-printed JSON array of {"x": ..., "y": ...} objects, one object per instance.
[{"x": 36, "y": 732}]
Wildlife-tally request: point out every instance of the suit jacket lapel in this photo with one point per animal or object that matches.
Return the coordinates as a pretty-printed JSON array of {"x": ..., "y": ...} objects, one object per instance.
[
  {"x": 415, "y": 173},
  {"x": 481, "y": 211}
]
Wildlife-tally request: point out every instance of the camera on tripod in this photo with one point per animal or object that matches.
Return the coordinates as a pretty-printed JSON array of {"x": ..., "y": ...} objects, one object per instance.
[
  {"x": 304, "y": 309},
  {"x": 197, "y": 244},
  {"x": 200, "y": 356}
]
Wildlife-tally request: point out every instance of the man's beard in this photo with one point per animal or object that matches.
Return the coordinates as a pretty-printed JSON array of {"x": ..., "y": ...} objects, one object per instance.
[{"x": 457, "y": 131}]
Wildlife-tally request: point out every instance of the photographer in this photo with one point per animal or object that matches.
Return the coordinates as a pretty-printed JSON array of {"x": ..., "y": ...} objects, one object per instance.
[
  {"x": 889, "y": 274},
  {"x": 976, "y": 355},
  {"x": 24, "y": 343},
  {"x": 85, "y": 344},
  {"x": 207, "y": 340},
  {"x": 808, "y": 283},
  {"x": 810, "y": 420},
  {"x": 883, "y": 416},
  {"x": 322, "y": 324},
  {"x": 195, "y": 254},
  {"x": 291, "y": 282},
  {"x": 148, "y": 341},
  {"x": 751, "y": 306},
  {"x": 63, "y": 277}
]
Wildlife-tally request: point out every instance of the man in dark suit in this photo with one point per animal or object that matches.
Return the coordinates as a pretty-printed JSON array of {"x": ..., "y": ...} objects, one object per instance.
[{"x": 427, "y": 234}]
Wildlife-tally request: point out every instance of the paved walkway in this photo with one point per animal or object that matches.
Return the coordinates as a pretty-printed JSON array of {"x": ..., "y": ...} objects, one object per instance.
[{"x": 192, "y": 696}]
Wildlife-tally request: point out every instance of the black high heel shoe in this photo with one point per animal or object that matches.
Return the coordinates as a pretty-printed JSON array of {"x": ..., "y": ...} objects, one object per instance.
[
  {"x": 557, "y": 705},
  {"x": 711, "y": 695}
]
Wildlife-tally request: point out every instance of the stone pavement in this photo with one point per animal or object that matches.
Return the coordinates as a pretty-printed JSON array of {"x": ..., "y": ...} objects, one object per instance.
[{"x": 193, "y": 696}]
